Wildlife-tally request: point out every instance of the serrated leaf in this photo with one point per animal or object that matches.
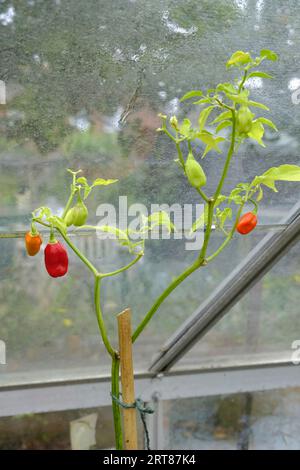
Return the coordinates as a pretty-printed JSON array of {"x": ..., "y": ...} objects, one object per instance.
[
  {"x": 239, "y": 58},
  {"x": 266, "y": 121},
  {"x": 259, "y": 74},
  {"x": 257, "y": 132},
  {"x": 204, "y": 116},
  {"x": 191, "y": 94},
  {"x": 258, "y": 105},
  {"x": 268, "y": 54},
  {"x": 222, "y": 117},
  {"x": 222, "y": 125}
]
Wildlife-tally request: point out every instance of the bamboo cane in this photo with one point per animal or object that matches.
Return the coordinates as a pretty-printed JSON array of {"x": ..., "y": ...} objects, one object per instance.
[{"x": 127, "y": 379}]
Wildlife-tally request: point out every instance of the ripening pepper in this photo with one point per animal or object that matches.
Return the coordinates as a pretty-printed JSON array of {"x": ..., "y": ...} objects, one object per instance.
[
  {"x": 247, "y": 223},
  {"x": 194, "y": 172},
  {"x": 33, "y": 241},
  {"x": 244, "y": 120},
  {"x": 77, "y": 215},
  {"x": 56, "y": 258}
]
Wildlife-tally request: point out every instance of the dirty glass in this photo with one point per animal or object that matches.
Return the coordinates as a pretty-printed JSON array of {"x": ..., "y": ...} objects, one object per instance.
[
  {"x": 266, "y": 420},
  {"x": 84, "y": 83}
]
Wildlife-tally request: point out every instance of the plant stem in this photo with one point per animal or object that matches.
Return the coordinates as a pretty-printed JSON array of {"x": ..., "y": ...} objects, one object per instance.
[
  {"x": 228, "y": 159},
  {"x": 99, "y": 315},
  {"x": 67, "y": 206},
  {"x": 124, "y": 268},
  {"x": 180, "y": 156},
  {"x": 203, "y": 195},
  {"x": 163, "y": 296},
  {"x": 115, "y": 365}
]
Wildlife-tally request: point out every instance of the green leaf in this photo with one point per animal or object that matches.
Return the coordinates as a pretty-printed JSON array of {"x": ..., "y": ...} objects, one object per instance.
[
  {"x": 223, "y": 215},
  {"x": 201, "y": 221},
  {"x": 82, "y": 180},
  {"x": 239, "y": 58},
  {"x": 266, "y": 121},
  {"x": 210, "y": 141},
  {"x": 103, "y": 182},
  {"x": 160, "y": 218},
  {"x": 257, "y": 132},
  {"x": 87, "y": 190},
  {"x": 203, "y": 101},
  {"x": 259, "y": 74},
  {"x": 268, "y": 54},
  {"x": 258, "y": 105},
  {"x": 280, "y": 173},
  {"x": 203, "y": 116},
  {"x": 185, "y": 128},
  {"x": 222, "y": 125},
  {"x": 235, "y": 196},
  {"x": 191, "y": 94},
  {"x": 222, "y": 117},
  {"x": 240, "y": 98},
  {"x": 226, "y": 88},
  {"x": 260, "y": 194}
]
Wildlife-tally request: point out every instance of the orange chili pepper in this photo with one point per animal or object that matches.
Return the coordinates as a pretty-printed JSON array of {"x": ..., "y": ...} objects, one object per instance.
[{"x": 33, "y": 243}]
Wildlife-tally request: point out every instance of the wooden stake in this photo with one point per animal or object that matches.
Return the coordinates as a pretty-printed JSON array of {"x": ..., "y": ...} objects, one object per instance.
[{"x": 127, "y": 379}]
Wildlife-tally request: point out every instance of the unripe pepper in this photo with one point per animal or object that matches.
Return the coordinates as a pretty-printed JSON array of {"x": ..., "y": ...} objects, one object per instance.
[
  {"x": 56, "y": 258},
  {"x": 33, "y": 241},
  {"x": 194, "y": 172},
  {"x": 247, "y": 223},
  {"x": 77, "y": 215},
  {"x": 244, "y": 120}
]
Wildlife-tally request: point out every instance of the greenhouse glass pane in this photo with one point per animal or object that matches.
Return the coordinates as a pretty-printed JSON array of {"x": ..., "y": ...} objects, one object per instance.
[
  {"x": 84, "y": 83},
  {"x": 250, "y": 421},
  {"x": 263, "y": 326}
]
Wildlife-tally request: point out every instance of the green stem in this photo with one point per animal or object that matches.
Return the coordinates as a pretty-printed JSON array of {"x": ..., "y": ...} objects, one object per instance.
[
  {"x": 115, "y": 365},
  {"x": 208, "y": 229},
  {"x": 243, "y": 80},
  {"x": 163, "y": 296},
  {"x": 228, "y": 159},
  {"x": 203, "y": 195},
  {"x": 69, "y": 202},
  {"x": 100, "y": 320},
  {"x": 124, "y": 268},
  {"x": 180, "y": 156}
]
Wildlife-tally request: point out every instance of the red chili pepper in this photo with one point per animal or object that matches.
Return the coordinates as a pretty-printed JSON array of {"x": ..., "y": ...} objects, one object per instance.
[
  {"x": 247, "y": 223},
  {"x": 33, "y": 242},
  {"x": 56, "y": 258}
]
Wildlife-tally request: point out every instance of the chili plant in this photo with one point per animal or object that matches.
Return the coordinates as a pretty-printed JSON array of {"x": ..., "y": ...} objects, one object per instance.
[{"x": 227, "y": 106}]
